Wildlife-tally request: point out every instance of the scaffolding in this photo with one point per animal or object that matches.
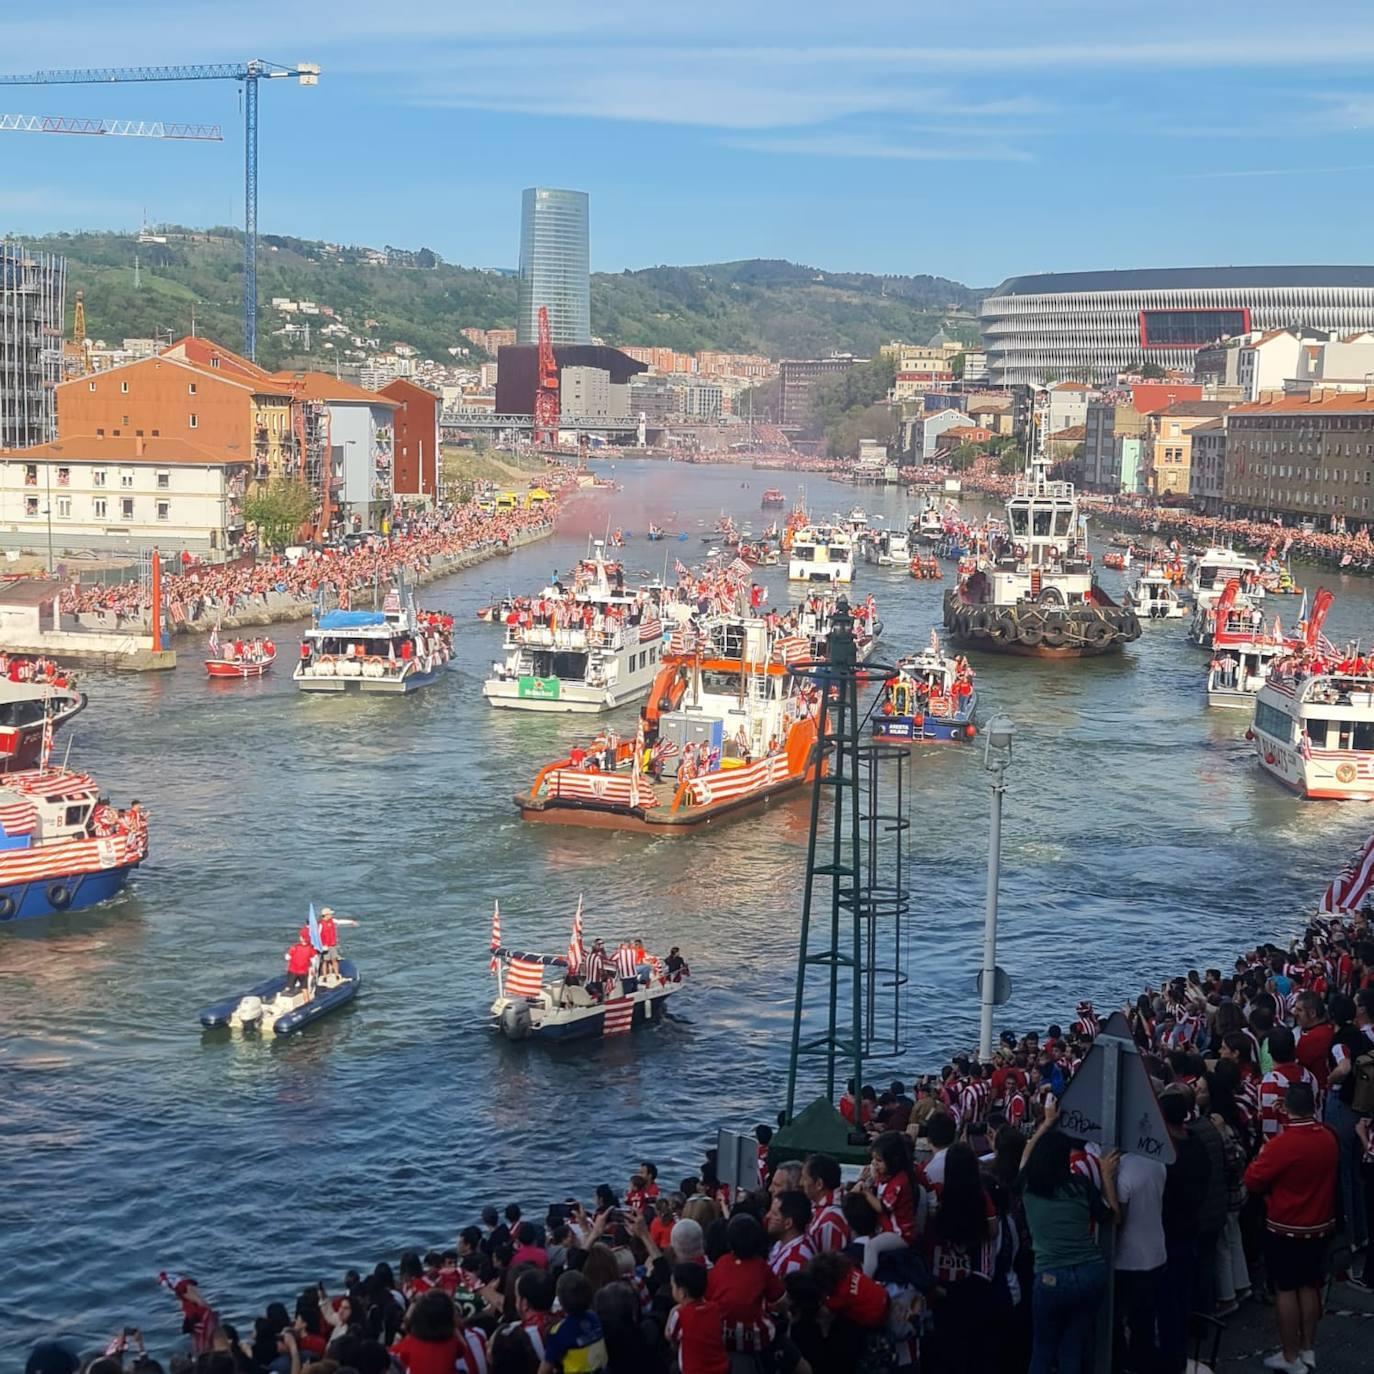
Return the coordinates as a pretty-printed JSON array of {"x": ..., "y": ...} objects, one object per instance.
[{"x": 33, "y": 294}]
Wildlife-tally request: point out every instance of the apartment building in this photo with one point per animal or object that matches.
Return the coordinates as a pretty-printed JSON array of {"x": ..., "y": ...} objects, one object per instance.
[
  {"x": 128, "y": 493},
  {"x": 1207, "y": 476},
  {"x": 799, "y": 377},
  {"x": 1302, "y": 457},
  {"x": 1170, "y": 452},
  {"x": 416, "y": 440}
]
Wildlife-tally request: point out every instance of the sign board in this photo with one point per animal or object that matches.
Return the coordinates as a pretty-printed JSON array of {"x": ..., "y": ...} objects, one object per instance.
[
  {"x": 1001, "y": 986},
  {"x": 1111, "y": 1102},
  {"x": 542, "y": 688},
  {"x": 737, "y": 1160}
]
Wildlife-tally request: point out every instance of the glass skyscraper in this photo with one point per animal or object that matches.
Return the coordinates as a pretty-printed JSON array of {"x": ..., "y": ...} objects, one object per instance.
[{"x": 554, "y": 266}]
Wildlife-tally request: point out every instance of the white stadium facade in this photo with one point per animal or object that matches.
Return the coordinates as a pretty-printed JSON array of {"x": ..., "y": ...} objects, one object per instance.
[{"x": 1088, "y": 326}]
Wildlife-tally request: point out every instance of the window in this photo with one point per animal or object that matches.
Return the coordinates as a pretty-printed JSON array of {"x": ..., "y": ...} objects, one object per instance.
[
  {"x": 64, "y": 507},
  {"x": 190, "y": 388},
  {"x": 164, "y": 481},
  {"x": 30, "y": 474},
  {"x": 30, "y": 505},
  {"x": 90, "y": 386},
  {"x": 98, "y": 506},
  {"x": 124, "y": 387},
  {"x": 97, "y": 477},
  {"x": 124, "y": 420},
  {"x": 193, "y": 421},
  {"x": 164, "y": 510},
  {"x": 64, "y": 477},
  {"x": 126, "y": 477},
  {"x": 126, "y": 507}
]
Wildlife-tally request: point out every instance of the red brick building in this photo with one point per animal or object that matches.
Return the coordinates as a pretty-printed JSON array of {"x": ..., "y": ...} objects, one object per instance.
[{"x": 416, "y": 470}]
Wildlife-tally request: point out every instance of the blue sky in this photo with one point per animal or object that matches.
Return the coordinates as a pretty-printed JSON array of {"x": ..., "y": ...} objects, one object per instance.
[{"x": 973, "y": 141}]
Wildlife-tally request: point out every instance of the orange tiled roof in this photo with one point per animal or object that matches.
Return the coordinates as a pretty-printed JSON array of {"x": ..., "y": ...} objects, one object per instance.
[
  {"x": 123, "y": 448},
  {"x": 1331, "y": 403},
  {"x": 320, "y": 386}
]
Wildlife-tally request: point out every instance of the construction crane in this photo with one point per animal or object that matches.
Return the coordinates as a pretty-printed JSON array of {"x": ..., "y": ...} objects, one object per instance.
[
  {"x": 112, "y": 128},
  {"x": 248, "y": 74},
  {"x": 546, "y": 394},
  {"x": 81, "y": 345}
]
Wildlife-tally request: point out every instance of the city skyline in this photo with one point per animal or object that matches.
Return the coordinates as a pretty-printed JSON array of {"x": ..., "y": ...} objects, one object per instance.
[{"x": 1054, "y": 138}]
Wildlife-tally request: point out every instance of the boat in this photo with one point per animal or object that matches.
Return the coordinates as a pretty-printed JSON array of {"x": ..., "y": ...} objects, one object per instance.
[
  {"x": 26, "y": 709},
  {"x": 544, "y": 997},
  {"x": 1313, "y": 727},
  {"x": 821, "y": 553},
  {"x": 813, "y": 619},
  {"x": 1214, "y": 567},
  {"x": 929, "y": 526},
  {"x": 888, "y": 549},
  {"x": 592, "y": 651},
  {"x": 1232, "y": 612},
  {"x": 656, "y": 533},
  {"x": 720, "y": 735},
  {"x": 397, "y": 649},
  {"x": 238, "y": 660},
  {"x": 772, "y": 498},
  {"x": 271, "y": 1010},
  {"x": 931, "y": 699},
  {"x": 1155, "y": 597},
  {"x": 62, "y": 848},
  {"x": 1238, "y": 671},
  {"x": 856, "y": 522},
  {"x": 1034, "y": 593}
]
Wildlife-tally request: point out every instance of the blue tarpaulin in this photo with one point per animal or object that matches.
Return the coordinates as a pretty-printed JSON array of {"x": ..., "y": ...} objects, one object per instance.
[{"x": 351, "y": 620}]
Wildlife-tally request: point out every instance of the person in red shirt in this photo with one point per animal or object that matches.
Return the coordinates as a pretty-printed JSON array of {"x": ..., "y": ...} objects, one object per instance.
[
  {"x": 821, "y": 1183},
  {"x": 696, "y": 1325},
  {"x": 300, "y": 958},
  {"x": 745, "y": 1287},
  {"x": 1317, "y": 1035},
  {"x": 893, "y": 1190},
  {"x": 434, "y": 1342},
  {"x": 1297, "y": 1171},
  {"x": 329, "y": 939},
  {"x": 849, "y": 1292},
  {"x": 661, "y": 1227}
]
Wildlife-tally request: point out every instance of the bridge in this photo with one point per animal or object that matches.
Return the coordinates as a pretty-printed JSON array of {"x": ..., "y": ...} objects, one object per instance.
[{"x": 454, "y": 420}]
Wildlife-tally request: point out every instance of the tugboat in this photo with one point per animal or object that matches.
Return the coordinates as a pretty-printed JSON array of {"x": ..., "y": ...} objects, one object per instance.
[
  {"x": 26, "y": 709},
  {"x": 1035, "y": 594},
  {"x": 720, "y": 734},
  {"x": 62, "y": 848},
  {"x": 580, "y": 994},
  {"x": 397, "y": 649},
  {"x": 930, "y": 700}
]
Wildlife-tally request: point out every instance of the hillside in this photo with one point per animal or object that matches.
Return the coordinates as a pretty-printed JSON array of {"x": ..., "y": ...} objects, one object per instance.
[{"x": 772, "y": 307}]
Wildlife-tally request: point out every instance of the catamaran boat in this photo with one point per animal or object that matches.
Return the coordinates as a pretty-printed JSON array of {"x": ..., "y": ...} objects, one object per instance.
[
  {"x": 821, "y": 553},
  {"x": 888, "y": 549},
  {"x": 397, "y": 649},
  {"x": 1213, "y": 568},
  {"x": 931, "y": 699},
  {"x": 719, "y": 735},
  {"x": 1154, "y": 596},
  {"x": 1034, "y": 592},
  {"x": 929, "y": 526},
  {"x": 592, "y": 652}
]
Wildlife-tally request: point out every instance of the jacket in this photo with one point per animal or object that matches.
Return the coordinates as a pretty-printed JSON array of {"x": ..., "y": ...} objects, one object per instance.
[{"x": 1297, "y": 1171}]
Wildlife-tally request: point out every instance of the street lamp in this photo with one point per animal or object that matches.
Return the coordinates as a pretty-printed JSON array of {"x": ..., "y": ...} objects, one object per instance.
[{"x": 997, "y": 740}]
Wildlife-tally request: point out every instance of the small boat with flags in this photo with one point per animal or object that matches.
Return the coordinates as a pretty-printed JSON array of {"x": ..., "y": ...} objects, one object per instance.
[
  {"x": 28, "y": 711},
  {"x": 929, "y": 526},
  {"x": 279, "y": 1006},
  {"x": 63, "y": 847},
  {"x": 931, "y": 699},
  {"x": 772, "y": 498},
  {"x": 238, "y": 659},
  {"x": 583, "y": 994},
  {"x": 396, "y": 649},
  {"x": 1155, "y": 596}
]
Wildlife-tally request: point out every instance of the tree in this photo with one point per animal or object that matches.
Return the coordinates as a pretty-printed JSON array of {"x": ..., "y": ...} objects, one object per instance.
[
  {"x": 278, "y": 510},
  {"x": 1151, "y": 372},
  {"x": 1009, "y": 464},
  {"x": 956, "y": 365}
]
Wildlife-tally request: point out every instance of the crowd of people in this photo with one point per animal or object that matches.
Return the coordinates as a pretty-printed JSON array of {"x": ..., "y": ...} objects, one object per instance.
[
  {"x": 207, "y": 593},
  {"x": 968, "y": 1242},
  {"x": 20, "y": 668}
]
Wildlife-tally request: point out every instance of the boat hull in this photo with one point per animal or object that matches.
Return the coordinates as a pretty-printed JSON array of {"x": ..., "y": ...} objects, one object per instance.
[
  {"x": 21, "y": 901},
  {"x": 580, "y": 1023},
  {"x": 236, "y": 672},
  {"x": 652, "y": 821},
  {"x": 385, "y": 686},
  {"x": 217, "y": 1014},
  {"x": 21, "y": 746},
  {"x": 958, "y": 729},
  {"x": 573, "y": 698},
  {"x": 1033, "y": 631}
]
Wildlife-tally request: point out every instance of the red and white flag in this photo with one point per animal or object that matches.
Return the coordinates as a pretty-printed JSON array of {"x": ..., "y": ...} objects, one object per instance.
[
  {"x": 213, "y": 642},
  {"x": 575, "y": 944},
  {"x": 495, "y": 934},
  {"x": 46, "y": 748},
  {"x": 524, "y": 978},
  {"x": 620, "y": 1015}
]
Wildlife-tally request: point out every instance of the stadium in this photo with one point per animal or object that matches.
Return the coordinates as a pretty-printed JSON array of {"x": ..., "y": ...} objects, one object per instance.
[{"x": 1088, "y": 326}]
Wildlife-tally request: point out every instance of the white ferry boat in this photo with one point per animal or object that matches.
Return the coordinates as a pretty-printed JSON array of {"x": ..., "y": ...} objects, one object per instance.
[
  {"x": 888, "y": 548},
  {"x": 397, "y": 649},
  {"x": 857, "y": 522},
  {"x": 590, "y": 652},
  {"x": 930, "y": 525},
  {"x": 1155, "y": 597},
  {"x": 821, "y": 553},
  {"x": 1213, "y": 568}
]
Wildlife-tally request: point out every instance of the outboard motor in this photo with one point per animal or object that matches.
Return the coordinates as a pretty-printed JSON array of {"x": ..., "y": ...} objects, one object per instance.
[
  {"x": 249, "y": 1011},
  {"x": 515, "y": 1021}
]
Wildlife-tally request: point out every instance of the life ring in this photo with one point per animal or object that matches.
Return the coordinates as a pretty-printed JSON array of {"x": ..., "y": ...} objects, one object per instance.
[
  {"x": 1054, "y": 553},
  {"x": 7, "y": 907},
  {"x": 59, "y": 896},
  {"x": 1345, "y": 772}
]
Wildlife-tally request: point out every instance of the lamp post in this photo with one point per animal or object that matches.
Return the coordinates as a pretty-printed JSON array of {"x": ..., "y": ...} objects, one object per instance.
[{"x": 997, "y": 738}]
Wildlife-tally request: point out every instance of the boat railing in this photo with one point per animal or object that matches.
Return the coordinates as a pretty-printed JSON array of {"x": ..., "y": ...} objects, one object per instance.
[{"x": 574, "y": 638}]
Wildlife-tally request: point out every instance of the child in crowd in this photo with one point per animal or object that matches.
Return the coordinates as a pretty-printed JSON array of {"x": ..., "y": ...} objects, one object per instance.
[
  {"x": 696, "y": 1326},
  {"x": 745, "y": 1287},
  {"x": 574, "y": 1344}
]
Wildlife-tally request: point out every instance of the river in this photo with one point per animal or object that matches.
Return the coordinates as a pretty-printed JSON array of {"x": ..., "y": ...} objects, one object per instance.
[{"x": 1139, "y": 839}]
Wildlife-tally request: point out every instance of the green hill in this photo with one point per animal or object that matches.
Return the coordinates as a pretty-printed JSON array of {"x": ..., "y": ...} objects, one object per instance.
[{"x": 764, "y": 306}]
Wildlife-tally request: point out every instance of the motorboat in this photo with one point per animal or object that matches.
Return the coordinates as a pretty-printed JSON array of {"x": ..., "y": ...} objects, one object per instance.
[
  {"x": 270, "y": 1009},
  {"x": 771, "y": 498},
  {"x": 1155, "y": 596},
  {"x": 27, "y": 708},
  {"x": 821, "y": 553},
  {"x": 61, "y": 847},
  {"x": 929, "y": 526},
  {"x": 930, "y": 699},
  {"x": 1214, "y": 567},
  {"x": 888, "y": 548},
  {"x": 238, "y": 660}
]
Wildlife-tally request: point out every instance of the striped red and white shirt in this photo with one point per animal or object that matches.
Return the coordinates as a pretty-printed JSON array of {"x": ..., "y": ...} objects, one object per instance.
[
  {"x": 828, "y": 1231},
  {"x": 788, "y": 1256},
  {"x": 1273, "y": 1115}
]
